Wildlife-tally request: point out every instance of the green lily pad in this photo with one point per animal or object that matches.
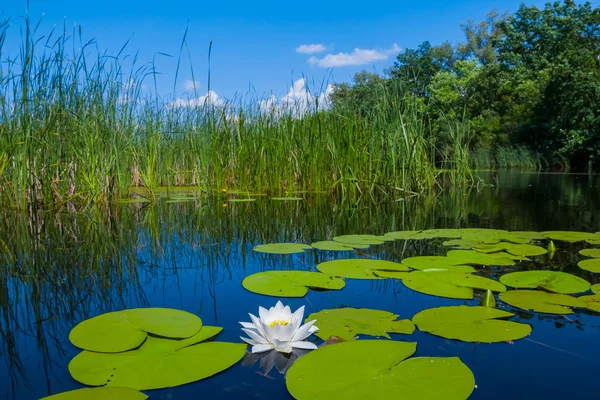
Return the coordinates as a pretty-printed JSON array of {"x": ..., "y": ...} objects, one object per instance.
[
  {"x": 360, "y": 240},
  {"x": 330, "y": 245},
  {"x": 455, "y": 285},
  {"x": 377, "y": 369},
  {"x": 282, "y": 248},
  {"x": 287, "y": 198},
  {"x": 596, "y": 288},
  {"x": 595, "y": 242},
  {"x": 592, "y": 302},
  {"x": 595, "y": 253},
  {"x": 424, "y": 263},
  {"x": 470, "y": 324},
  {"x": 391, "y": 274},
  {"x": 552, "y": 281},
  {"x": 529, "y": 235},
  {"x": 100, "y": 393},
  {"x": 158, "y": 363},
  {"x": 463, "y": 244},
  {"x": 241, "y": 200},
  {"x": 544, "y": 302},
  {"x": 346, "y": 323},
  {"x": 401, "y": 235},
  {"x": 472, "y": 257},
  {"x": 514, "y": 249},
  {"x": 125, "y": 330},
  {"x": 359, "y": 268},
  {"x": 290, "y": 283},
  {"x": 592, "y": 265},
  {"x": 568, "y": 236}
]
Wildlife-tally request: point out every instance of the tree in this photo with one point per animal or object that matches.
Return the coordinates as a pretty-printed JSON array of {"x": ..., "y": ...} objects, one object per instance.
[{"x": 482, "y": 37}]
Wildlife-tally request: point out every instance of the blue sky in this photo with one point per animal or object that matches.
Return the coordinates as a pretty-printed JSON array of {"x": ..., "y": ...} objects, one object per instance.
[{"x": 255, "y": 43}]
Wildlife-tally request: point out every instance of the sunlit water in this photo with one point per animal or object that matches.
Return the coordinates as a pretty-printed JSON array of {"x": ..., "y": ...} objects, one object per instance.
[{"x": 59, "y": 269}]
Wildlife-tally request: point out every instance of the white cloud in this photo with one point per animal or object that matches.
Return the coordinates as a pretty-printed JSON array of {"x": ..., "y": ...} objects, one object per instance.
[
  {"x": 357, "y": 57},
  {"x": 297, "y": 101},
  {"x": 210, "y": 98},
  {"x": 310, "y": 48},
  {"x": 191, "y": 85}
]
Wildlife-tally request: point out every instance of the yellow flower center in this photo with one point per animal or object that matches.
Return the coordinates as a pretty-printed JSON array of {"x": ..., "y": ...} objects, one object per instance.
[{"x": 278, "y": 321}]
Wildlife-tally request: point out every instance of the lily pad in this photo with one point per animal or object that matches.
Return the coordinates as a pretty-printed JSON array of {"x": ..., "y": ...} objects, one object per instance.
[
  {"x": 125, "y": 330},
  {"x": 512, "y": 248},
  {"x": 360, "y": 240},
  {"x": 471, "y": 324},
  {"x": 568, "y": 236},
  {"x": 359, "y": 268},
  {"x": 282, "y": 248},
  {"x": 463, "y": 244},
  {"x": 473, "y": 257},
  {"x": 290, "y": 283},
  {"x": 391, "y": 274},
  {"x": 330, "y": 245},
  {"x": 346, "y": 323},
  {"x": 424, "y": 263},
  {"x": 595, "y": 253},
  {"x": 401, "y": 235},
  {"x": 453, "y": 285},
  {"x": 529, "y": 235},
  {"x": 592, "y": 265},
  {"x": 595, "y": 242},
  {"x": 544, "y": 302},
  {"x": 158, "y": 363},
  {"x": 100, "y": 393},
  {"x": 592, "y": 302},
  {"x": 377, "y": 369},
  {"x": 551, "y": 281},
  {"x": 596, "y": 288}
]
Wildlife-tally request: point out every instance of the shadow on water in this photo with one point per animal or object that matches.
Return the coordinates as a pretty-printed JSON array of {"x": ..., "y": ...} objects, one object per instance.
[{"x": 59, "y": 269}]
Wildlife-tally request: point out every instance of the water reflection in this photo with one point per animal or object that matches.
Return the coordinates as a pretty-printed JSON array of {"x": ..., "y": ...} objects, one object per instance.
[{"x": 60, "y": 268}]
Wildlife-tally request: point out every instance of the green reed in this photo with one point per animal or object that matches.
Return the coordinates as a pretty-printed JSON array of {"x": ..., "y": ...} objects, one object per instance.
[{"x": 77, "y": 128}]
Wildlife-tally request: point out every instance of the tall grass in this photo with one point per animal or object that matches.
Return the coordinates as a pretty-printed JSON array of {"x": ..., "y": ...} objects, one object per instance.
[
  {"x": 75, "y": 127},
  {"x": 505, "y": 157}
]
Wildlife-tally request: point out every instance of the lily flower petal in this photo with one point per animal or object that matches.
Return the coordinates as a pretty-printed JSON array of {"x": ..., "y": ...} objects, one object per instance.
[
  {"x": 261, "y": 348},
  {"x": 303, "y": 345}
]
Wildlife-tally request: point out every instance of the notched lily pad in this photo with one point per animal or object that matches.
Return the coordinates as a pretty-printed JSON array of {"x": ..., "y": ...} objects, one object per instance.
[
  {"x": 592, "y": 265},
  {"x": 330, "y": 245},
  {"x": 512, "y": 248},
  {"x": 472, "y": 257},
  {"x": 290, "y": 283},
  {"x": 125, "y": 330},
  {"x": 552, "y": 281},
  {"x": 100, "y": 393},
  {"x": 454, "y": 285},
  {"x": 470, "y": 324},
  {"x": 592, "y": 302},
  {"x": 361, "y": 240},
  {"x": 544, "y": 302},
  {"x": 377, "y": 369},
  {"x": 569, "y": 236},
  {"x": 282, "y": 248},
  {"x": 359, "y": 268},
  {"x": 346, "y": 323},
  {"x": 425, "y": 263},
  {"x": 158, "y": 363}
]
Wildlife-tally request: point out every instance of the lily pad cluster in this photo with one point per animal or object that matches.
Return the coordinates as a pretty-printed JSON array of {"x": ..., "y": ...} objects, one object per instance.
[{"x": 148, "y": 348}]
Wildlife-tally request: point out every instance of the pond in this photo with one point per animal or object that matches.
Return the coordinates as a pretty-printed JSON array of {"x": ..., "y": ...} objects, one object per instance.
[{"x": 62, "y": 268}]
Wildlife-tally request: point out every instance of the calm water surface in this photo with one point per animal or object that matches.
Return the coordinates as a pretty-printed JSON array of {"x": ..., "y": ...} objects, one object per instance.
[{"x": 59, "y": 269}]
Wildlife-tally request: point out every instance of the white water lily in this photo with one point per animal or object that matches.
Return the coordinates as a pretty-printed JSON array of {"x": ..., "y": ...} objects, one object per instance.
[{"x": 278, "y": 329}]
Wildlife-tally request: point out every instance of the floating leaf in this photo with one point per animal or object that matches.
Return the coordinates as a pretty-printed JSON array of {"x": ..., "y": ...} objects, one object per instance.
[
  {"x": 359, "y": 268},
  {"x": 346, "y": 323},
  {"x": 282, "y": 248},
  {"x": 593, "y": 241},
  {"x": 330, "y": 245},
  {"x": 595, "y": 253},
  {"x": 596, "y": 288},
  {"x": 512, "y": 248},
  {"x": 401, "y": 235},
  {"x": 591, "y": 302},
  {"x": 529, "y": 235},
  {"x": 290, "y": 283},
  {"x": 592, "y": 265},
  {"x": 488, "y": 299},
  {"x": 158, "y": 363},
  {"x": 100, "y": 393},
  {"x": 454, "y": 285},
  {"x": 125, "y": 330},
  {"x": 475, "y": 258},
  {"x": 391, "y": 274},
  {"x": 424, "y": 263},
  {"x": 376, "y": 369},
  {"x": 470, "y": 324},
  {"x": 463, "y": 244},
  {"x": 552, "y": 281},
  {"x": 360, "y": 240},
  {"x": 287, "y": 198},
  {"x": 544, "y": 302},
  {"x": 568, "y": 236}
]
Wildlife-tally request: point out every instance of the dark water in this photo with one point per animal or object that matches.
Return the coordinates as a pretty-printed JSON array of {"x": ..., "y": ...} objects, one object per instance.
[{"x": 58, "y": 269}]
